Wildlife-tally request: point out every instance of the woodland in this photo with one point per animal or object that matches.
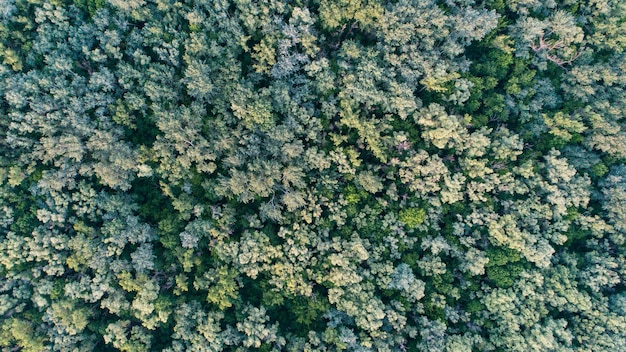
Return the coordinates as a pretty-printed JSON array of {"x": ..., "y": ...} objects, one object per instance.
[{"x": 313, "y": 175}]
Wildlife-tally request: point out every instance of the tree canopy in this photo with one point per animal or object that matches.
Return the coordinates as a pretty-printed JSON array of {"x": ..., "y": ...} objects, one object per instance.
[{"x": 312, "y": 175}]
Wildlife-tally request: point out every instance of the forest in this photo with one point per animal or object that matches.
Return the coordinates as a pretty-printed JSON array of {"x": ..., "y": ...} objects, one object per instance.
[{"x": 313, "y": 175}]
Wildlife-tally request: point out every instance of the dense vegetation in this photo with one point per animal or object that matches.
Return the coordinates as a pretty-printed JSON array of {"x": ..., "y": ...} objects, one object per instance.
[{"x": 322, "y": 175}]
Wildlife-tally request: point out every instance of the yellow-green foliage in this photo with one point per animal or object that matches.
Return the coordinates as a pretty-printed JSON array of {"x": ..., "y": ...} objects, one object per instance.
[{"x": 412, "y": 217}]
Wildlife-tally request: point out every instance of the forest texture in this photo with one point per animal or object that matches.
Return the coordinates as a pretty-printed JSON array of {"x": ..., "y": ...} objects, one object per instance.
[{"x": 323, "y": 175}]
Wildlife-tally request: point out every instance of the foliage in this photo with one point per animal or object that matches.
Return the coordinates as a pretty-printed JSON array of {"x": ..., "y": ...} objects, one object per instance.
[
  {"x": 412, "y": 217},
  {"x": 360, "y": 175}
]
